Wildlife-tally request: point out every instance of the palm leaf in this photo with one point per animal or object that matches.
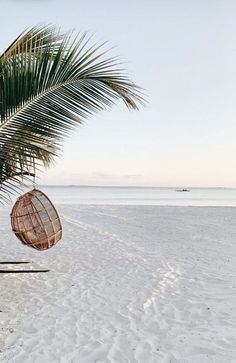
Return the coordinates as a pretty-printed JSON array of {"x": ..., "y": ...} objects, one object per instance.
[
  {"x": 48, "y": 84},
  {"x": 33, "y": 40}
]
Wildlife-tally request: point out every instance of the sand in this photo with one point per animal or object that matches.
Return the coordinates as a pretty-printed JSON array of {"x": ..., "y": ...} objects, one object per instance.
[{"x": 127, "y": 284}]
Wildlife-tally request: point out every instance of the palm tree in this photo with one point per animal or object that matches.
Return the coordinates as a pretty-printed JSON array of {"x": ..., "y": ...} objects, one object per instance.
[{"x": 49, "y": 83}]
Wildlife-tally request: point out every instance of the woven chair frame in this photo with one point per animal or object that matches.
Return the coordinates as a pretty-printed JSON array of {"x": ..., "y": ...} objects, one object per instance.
[{"x": 35, "y": 220}]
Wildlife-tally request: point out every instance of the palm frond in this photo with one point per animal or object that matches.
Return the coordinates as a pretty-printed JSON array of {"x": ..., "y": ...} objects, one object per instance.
[
  {"x": 32, "y": 40},
  {"x": 48, "y": 84}
]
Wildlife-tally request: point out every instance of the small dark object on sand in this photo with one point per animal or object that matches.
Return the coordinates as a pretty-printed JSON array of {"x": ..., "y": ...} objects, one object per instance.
[
  {"x": 21, "y": 271},
  {"x": 13, "y": 262}
]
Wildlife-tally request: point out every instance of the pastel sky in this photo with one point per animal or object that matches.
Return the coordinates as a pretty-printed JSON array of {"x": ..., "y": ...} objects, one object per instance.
[{"x": 183, "y": 53}]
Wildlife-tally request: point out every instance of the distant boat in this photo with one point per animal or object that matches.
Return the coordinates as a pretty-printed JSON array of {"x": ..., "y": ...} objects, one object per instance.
[{"x": 182, "y": 190}]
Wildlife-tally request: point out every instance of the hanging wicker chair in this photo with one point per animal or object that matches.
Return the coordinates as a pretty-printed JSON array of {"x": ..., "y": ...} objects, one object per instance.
[{"x": 35, "y": 221}]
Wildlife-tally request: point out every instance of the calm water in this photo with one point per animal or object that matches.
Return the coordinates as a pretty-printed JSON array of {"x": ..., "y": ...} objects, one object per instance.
[{"x": 141, "y": 196}]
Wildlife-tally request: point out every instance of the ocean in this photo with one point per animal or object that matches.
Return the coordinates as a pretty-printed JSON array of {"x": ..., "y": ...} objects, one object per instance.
[{"x": 141, "y": 196}]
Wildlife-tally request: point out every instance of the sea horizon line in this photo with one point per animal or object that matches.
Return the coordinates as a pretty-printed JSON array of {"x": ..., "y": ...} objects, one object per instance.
[{"x": 131, "y": 186}]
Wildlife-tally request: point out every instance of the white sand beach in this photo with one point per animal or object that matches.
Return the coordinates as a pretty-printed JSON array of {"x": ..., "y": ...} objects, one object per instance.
[{"x": 143, "y": 284}]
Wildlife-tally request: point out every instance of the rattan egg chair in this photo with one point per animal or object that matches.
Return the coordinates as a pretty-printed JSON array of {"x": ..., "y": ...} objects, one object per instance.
[{"x": 35, "y": 220}]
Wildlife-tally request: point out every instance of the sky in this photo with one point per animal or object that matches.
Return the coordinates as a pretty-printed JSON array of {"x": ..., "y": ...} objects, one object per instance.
[{"x": 183, "y": 54}]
